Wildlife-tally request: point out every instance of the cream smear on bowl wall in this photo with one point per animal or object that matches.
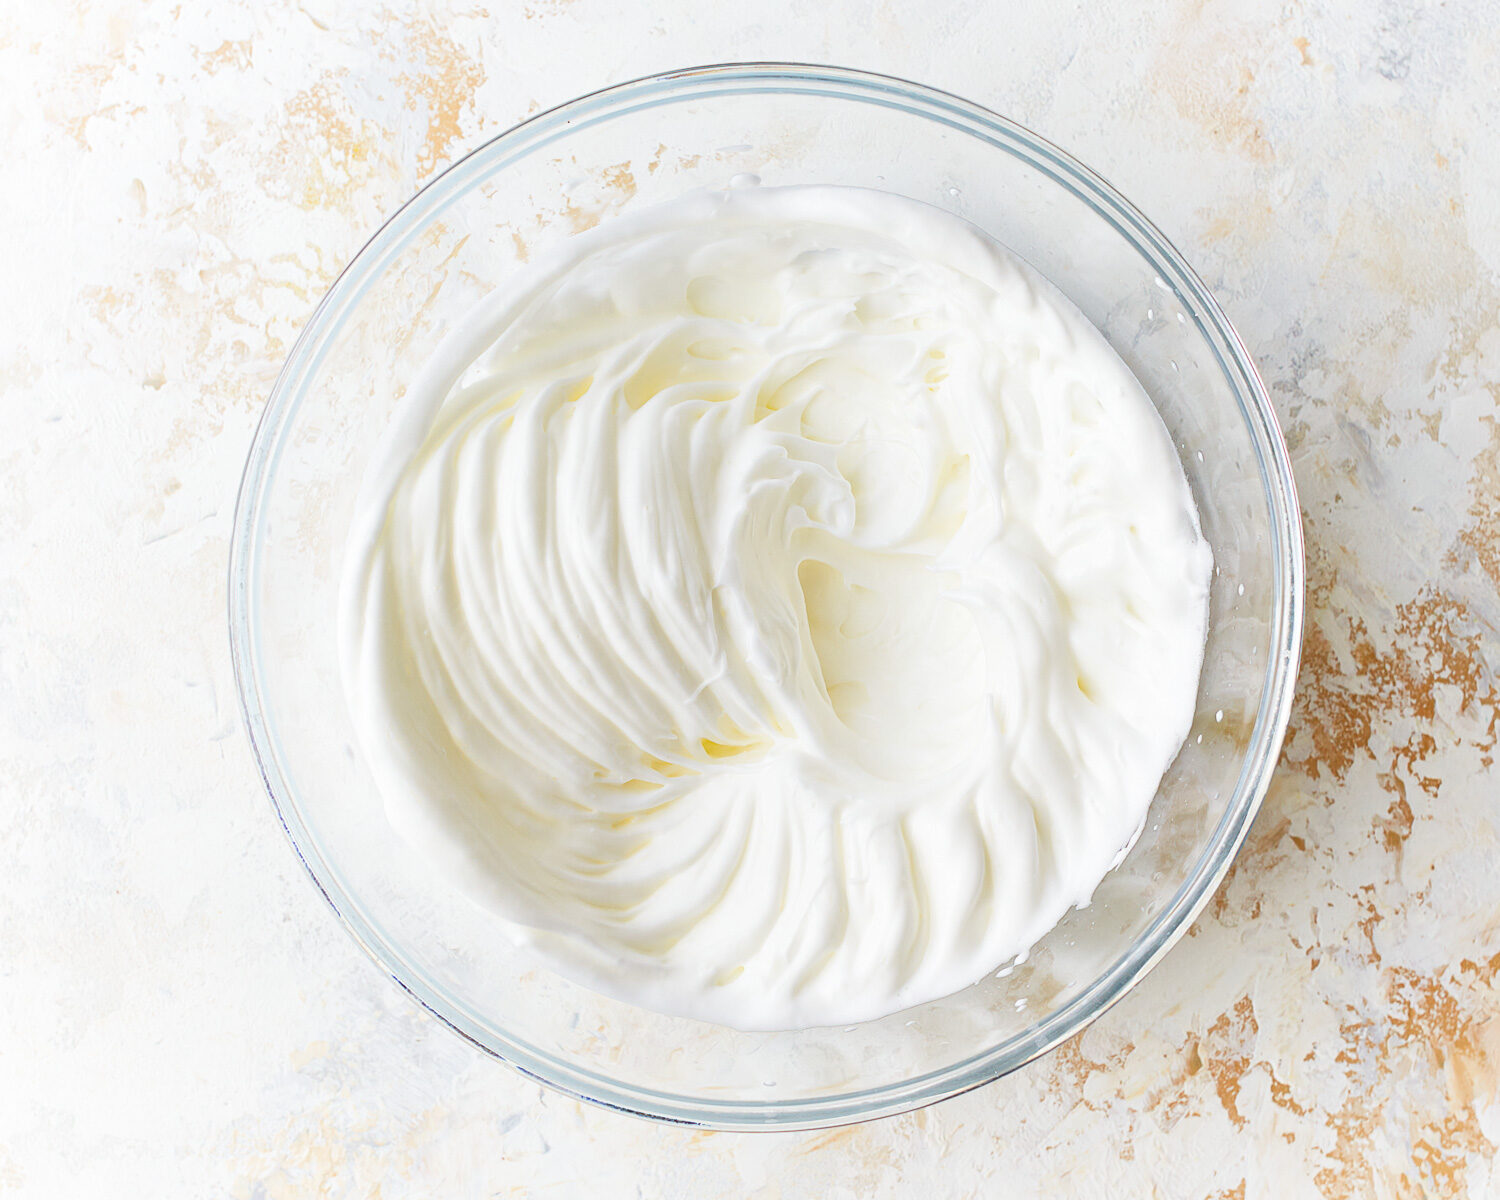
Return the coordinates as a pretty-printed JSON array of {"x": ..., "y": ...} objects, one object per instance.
[{"x": 778, "y": 607}]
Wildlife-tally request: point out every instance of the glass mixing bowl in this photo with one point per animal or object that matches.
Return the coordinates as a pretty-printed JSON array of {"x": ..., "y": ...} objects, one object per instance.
[{"x": 645, "y": 142}]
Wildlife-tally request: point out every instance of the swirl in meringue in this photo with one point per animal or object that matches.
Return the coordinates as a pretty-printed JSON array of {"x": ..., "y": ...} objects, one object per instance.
[{"x": 779, "y": 607}]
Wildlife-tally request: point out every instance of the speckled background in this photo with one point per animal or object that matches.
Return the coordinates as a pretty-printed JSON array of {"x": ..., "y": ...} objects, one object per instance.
[{"x": 180, "y": 1015}]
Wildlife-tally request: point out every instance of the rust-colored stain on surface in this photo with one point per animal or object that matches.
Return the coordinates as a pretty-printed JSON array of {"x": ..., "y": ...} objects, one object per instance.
[{"x": 442, "y": 78}]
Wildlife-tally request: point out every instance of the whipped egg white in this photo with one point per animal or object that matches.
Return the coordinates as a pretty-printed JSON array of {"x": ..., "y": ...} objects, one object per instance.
[{"x": 779, "y": 607}]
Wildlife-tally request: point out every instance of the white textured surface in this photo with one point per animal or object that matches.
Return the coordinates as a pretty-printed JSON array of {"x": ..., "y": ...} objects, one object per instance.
[
  {"x": 824, "y": 496},
  {"x": 180, "y": 1014}
]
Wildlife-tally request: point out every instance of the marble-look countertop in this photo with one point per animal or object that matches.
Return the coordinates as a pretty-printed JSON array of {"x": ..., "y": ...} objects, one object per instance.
[{"x": 181, "y": 1015}]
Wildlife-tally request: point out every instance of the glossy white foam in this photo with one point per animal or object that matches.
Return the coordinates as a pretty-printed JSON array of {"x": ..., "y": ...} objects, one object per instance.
[{"x": 779, "y": 606}]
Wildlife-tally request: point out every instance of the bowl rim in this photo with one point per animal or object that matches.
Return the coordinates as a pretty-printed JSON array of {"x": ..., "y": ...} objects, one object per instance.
[{"x": 780, "y": 78}]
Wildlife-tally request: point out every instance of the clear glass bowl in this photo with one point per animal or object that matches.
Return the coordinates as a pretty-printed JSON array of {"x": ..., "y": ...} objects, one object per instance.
[{"x": 645, "y": 142}]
